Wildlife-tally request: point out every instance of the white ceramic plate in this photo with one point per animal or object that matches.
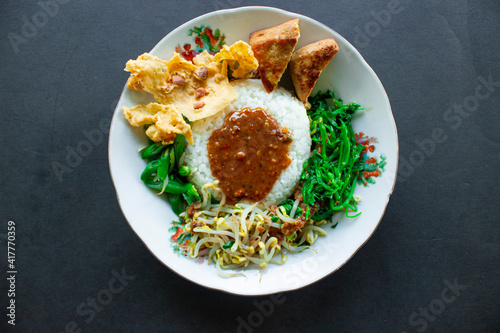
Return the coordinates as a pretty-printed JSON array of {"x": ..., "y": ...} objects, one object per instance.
[{"x": 348, "y": 75}]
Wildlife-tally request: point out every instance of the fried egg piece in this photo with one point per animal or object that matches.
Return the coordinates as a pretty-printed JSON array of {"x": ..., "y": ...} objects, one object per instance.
[
  {"x": 241, "y": 53},
  {"x": 165, "y": 120},
  {"x": 174, "y": 83}
]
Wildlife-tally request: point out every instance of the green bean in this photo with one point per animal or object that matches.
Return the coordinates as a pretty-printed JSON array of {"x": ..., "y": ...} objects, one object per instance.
[
  {"x": 165, "y": 175},
  {"x": 164, "y": 164},
  {"x": 172, "y": 186},
  {"x": 176, "y": 203},
  {"x": 149, "y": 172},
  {"x": 184, "y": 171},
  {"x": 152, "y": 150},
  {"x": 171, "y": 162},
  {"x": 192, "y": 193},
  {"x": 179, "y": 143}
]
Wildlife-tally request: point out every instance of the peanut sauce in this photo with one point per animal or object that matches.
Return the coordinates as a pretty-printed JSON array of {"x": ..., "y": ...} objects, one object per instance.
[{"x": 248, "y": 153}]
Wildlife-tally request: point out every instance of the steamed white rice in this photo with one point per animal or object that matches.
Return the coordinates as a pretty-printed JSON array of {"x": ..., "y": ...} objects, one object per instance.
[{"x": 288, "y": 112}]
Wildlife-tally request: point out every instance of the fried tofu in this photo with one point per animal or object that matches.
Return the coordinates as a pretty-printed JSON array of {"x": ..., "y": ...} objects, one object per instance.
[
  {"x": 273, "y": 49},
  {"x": 307, "y": 64}
]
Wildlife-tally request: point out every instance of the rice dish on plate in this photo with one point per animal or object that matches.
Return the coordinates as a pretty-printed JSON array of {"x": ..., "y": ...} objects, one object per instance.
[
  {"x": 263, "y": 169},
  {"x": 281, "y": 105}
]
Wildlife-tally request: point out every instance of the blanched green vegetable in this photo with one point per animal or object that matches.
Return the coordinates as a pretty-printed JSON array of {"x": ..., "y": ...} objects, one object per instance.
[
  {"x": 176, "y": 203},
  {"x": 179, "y": 143},
  {"x": 172, "y": 186},
  {"x": 329, "y": 175},
  {"x": 184, "y": 171},
  {"x": 165, "y": 174},
  {"x": 149, "y": 172},
  {"x": 152, "y": 150}
]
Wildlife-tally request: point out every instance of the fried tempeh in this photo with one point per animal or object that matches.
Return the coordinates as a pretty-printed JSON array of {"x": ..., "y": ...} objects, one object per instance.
[
  {"x": 273, "y": 49},
  {"x": 307, "y": 64}
]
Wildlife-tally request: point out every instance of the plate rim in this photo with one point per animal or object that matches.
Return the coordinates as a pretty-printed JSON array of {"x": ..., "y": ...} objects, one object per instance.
[{"x": 393, "y": 122}]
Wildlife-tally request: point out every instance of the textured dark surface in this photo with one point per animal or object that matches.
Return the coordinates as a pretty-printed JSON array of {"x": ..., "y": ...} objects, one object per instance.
[{"x": 441, "y": 225}]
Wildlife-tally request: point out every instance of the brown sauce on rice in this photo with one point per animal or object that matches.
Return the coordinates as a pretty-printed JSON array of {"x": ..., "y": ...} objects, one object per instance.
[{"x": 248, "y": 153}]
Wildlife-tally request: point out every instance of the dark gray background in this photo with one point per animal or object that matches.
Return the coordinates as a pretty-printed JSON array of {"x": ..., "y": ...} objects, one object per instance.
[{"x": 441, "y": 223}]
